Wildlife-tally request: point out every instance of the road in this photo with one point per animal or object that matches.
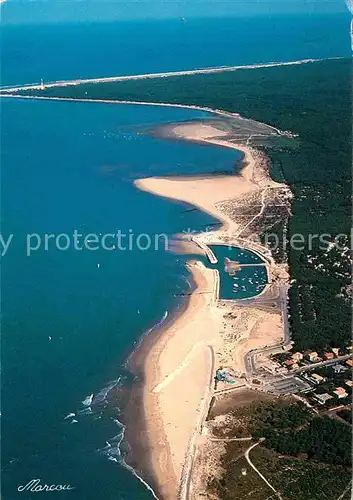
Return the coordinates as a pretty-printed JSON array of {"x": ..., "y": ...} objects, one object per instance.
[
  {"x": 313, "y": 366},
  {"x": 185, "y": 483},
  {"x": 263, "y": 206},
  {"x": 345, "y": 491},
  {"x": 263, "y": 264},
  {"x": 247, "y": 453},
  {"x": 229, "y": 440},
  {"x": 283, "y": 296},
  {"x": 229, "y": 389},
  {"x": 249, "y": 359},
  {"x": 333, "y": 413}
]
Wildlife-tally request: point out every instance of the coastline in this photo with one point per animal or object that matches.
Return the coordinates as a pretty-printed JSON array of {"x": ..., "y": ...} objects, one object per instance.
[
  {"x": 219, "y": 112},
  {"x": 115, "y": 313},
  {"x": 220, "y": 69},
  {"x": 211, "y": 189},
  {"x": 178, "y": 366},
  {"x": 163, "y": 366}
]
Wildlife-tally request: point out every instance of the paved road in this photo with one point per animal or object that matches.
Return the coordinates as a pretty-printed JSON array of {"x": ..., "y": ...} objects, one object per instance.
[
  {"x": 313, "y": 366},
  {"x": 249, "y": 359},
  {"x": 185, "y": 485},
  {"x": 283, "y": 292}
]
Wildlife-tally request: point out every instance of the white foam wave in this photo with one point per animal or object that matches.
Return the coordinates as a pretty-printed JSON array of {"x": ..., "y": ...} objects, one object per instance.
[
  {"x": 160, "y": 322},
  {"x": 69, "y": 416},
  {"x": 146, "y": 333},
  {"x": 112, "y": 448},
  {"x": 113, "y": 453},
  {"x": 147, "y": 486},
  {"x": 165, "y": 315},
  {"x": 86, "y": 411},
  {"x": 101, "y": 396},
  {"x": 88, "y": 400},
  {"x": 96, "y": 400}
]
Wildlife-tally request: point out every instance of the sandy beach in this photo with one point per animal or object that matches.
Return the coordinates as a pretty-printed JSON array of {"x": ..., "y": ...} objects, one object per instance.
[
  {"x": 205, "y": 192},
  {"x": 176, "y": 374},
  {"x": 178, "y": 368}
]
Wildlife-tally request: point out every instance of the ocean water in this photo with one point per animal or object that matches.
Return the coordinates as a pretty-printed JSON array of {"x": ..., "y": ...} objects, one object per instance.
[
  {"x": 59, "y": 52},
  {"x": 70, "y": 318}
]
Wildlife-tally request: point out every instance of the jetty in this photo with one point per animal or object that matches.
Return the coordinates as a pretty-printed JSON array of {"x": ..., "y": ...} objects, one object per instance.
[{"x": 210, "y": 255}]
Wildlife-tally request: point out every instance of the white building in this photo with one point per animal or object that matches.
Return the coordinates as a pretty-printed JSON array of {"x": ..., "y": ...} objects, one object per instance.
[
  {"x": 313, "y": 356},
  {"x": 323, "y": 398}
]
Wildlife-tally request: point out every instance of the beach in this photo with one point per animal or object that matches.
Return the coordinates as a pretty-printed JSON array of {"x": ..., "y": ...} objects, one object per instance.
[
  {"x": 175, "y": 367},
  {"x": 178, "y": 367},
  {"x": 117, "y": 351},
  {"x": 205, "y": 192}
]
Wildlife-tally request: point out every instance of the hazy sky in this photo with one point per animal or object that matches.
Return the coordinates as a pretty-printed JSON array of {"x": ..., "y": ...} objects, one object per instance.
[{"x": 32, "y": 11}]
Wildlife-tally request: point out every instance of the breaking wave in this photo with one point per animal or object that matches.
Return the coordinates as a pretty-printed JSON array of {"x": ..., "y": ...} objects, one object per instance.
[{"x": 112, "y": 450}]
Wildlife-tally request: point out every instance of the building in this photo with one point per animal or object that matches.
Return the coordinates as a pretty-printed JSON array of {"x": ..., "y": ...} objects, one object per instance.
[
  {"x": 316, "y": 379},
  {"x": 349, "y": 363},
  {"x": 313, "y": 356},
  {"x": 289, "y": 362},
  {"x": 297, "y": 356},
  {"x": 322, "y": 398},
  {"x": 349, "y": 383},
  {"x": 340, "y": 393},
  {"x": 329, "y": 355},
  {"x": 281, "y": 370},
  {"x": 350, "y": 348},
  {"x": 336, "y": 351}
]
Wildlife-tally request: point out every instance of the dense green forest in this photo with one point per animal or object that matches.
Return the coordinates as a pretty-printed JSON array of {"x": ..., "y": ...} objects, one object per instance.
[
  {"x": 314, "y": 101},
  {"x": 292, "y": 430},
  {"x": 301, "y": 480},
  {"x": 294, "y": 478},
  {"x": 310, "y": 99},
  {"x": 303, "y": 454}
]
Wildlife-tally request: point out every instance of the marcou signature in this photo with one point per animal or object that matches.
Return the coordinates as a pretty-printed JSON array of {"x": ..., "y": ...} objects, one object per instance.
[{"x": 35, "y": 486}]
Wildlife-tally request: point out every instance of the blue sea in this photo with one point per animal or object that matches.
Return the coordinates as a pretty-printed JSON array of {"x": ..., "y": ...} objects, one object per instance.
[
  {"x": 71, "y": 317},
  {"x": 59, "y": 52}
]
